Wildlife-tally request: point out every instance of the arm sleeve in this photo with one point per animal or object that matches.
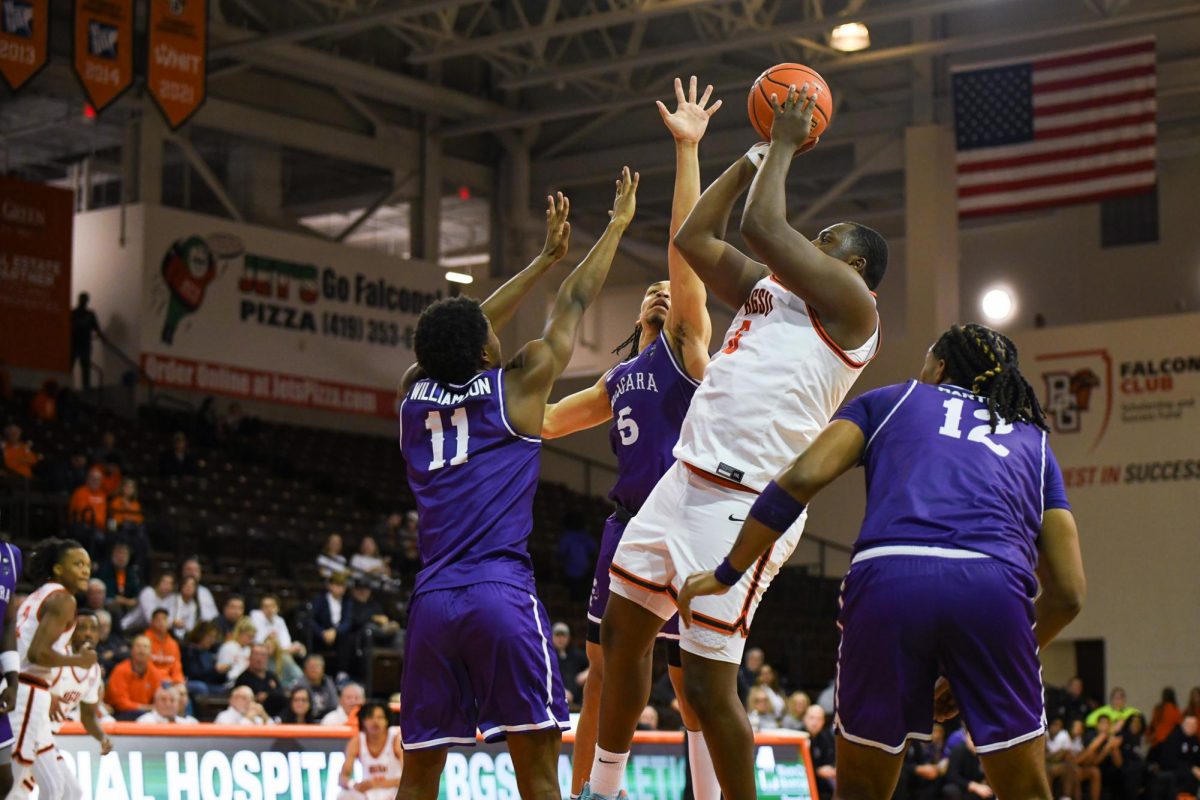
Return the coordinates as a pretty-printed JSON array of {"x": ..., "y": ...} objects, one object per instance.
[
  {"x": 870, "y": 409},
  {"x": 1054, "y": 494}
]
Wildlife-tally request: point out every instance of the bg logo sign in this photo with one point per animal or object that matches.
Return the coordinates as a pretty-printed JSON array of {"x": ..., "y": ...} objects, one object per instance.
[{"x": 1078, "y": 391}]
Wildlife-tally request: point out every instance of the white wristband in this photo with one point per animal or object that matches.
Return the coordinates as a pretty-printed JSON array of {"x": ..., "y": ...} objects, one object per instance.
[
  {"x": 756, "y": 154},
  {"x": 9, "y": 662}
]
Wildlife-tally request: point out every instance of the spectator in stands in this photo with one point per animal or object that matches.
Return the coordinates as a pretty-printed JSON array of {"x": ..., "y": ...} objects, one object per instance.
[
  {"x": 183, "y": 608},
  {"x": 206, "y": 425},
  {"x": 178, "y": 462},
  {"x": 793, "y": 713},
  {"x": 407, "y": 562},
  {"x": 964, "y": 773},
  {"x": 87, "y": 512},
  {"x": 330, "y": 555},
  {"x": 1073, "y": 705},
  {"x": 330, "y": 626},
  {"x": 320, "y": 686},
  {"x": 300, "y": 708},
  {"x": 133, "y": 682},
  {"x": 1087, "y": 773},
  {"x": 760, "y": 711},
  {"x": 1116, "y": 710},
  {"x": 113, "y": 648},
  {"x": 157, "y": 595},
  {"x": 270, "y": 624},
  {"x": 68, "y": 476},
  {"x": 234, "y": 655},
  {"x": 83, "y": 325},
  {"x": 1061, "y": 768},
  {"x": 369, "y": 627},
  {"x": 200, "y": 660},
  {"x": 1102, "y": 749},
  {"x": 111, "y": 480},
  {"x": 349, "y": 703},
  {"x": 19, "y": 457},
  {"x": 648, "y": 720},
  {"x": 97, "y": 595},
  {"x": 1133, "y": 757},
  {"x": 570, "y": 660},
  {"x": 183, "y": 716},
  {"x": 577, "y": 552},
  {"x": 367, "y": 559},
  {"x": 44, "y": 405},
  {"x": 768, "y": 678},
  {"x": 208, "y": 606},
  {"x": 1163, "y": 719},
  {"x": 282, "y": 663},
  {"x": 126, "y": 520},
  {"x": 165, "y": 710},
  {"x": 1179, "y": 760},
  {"x": 122, "y": 580},
  {"x": 242, "y": 709},
  {"x": 752, "y": 662},
  {"x": 924, "y": 766},
  {"x": 164, "y": 650},
  {"x": 232, "y": 613},
  {"x": 107, "y": 452},
  {"x": 821, "y": 746},
  {"x": 268, "y": 691}
]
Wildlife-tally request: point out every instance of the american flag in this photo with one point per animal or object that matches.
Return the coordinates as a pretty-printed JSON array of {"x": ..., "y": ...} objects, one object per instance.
[{"x": 1070, "y": 127}]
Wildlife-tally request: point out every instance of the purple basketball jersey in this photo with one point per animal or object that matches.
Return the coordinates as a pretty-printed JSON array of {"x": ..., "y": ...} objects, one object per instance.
[
  {"x": 473, "y": 477},
  {"x": 937, "y": 475},
  {"x": 650, "y": 395}
]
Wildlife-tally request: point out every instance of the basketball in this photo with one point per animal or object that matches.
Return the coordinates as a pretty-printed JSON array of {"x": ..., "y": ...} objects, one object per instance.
[{"x": 776, "y": 80}]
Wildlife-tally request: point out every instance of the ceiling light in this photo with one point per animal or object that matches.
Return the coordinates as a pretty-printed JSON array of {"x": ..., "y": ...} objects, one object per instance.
[
  {"x": 459, "y": 277},
  {"x": 850, "y": 37},
  {"x": 473, "y": 260},
  {"x": 997, "y": 305}
]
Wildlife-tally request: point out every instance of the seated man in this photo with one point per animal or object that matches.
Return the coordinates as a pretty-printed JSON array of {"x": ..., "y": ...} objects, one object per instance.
[
  {"x": 242, "y": 709},
  {"x": 269, "y": 623},
  {"x": 19, "y": 457},
  {"x": 133, "y": 682},
  {"x": 320, "y": 686},
  {"x": 122, "y": 580},
  {"x": 208, "y": 606},
  {"x": 268, "y": 692},
  {"x": 368, "y": 627},
  {"x": 329, "y": 625},
  {"x": 166, "y": 710},
  {"x": 349, "y": 703},
  {"x": 164, "y": 649},
  {"x": 231, "y": 613},
  {"x": 964, "y": 775}
]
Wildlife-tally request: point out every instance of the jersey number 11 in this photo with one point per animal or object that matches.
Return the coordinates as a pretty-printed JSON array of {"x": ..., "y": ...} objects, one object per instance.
[{"x": 433, "y": 423}]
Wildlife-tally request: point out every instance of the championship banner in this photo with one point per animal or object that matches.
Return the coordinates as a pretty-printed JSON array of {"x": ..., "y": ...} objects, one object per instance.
[
  {"x": 103, "y": 49},
  {"x": 24, "y": 40},
  {"x": 303, "y": 762},
  {"x": 177, "y": 51},
  {"x": 253, "y": 313},
  {"x": 35, "y": 275}
]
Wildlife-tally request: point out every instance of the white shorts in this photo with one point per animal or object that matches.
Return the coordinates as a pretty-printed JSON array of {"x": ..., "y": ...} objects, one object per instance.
[
  {"x": 31, "y": 723},
  {"x": 688, "y": 524}
]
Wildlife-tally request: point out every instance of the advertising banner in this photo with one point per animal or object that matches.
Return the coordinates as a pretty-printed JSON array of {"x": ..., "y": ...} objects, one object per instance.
[
  {"x": 176, "y": 53},
  {"x": 303, "y": 762},
  {"x": 24, "y": 40},
  {"x": 103, "y": 49},
  {"x": 248, "y": 312},
  {"x": 35, "y": 275}
]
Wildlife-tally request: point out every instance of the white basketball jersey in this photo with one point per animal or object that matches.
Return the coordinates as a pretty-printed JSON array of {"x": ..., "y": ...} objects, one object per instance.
[
  {"x": 769, "y": 391},
  {"x": 74, "y": 686},
  {"x": 28, "y": 617},
  {"x": 385, "y": 765}
]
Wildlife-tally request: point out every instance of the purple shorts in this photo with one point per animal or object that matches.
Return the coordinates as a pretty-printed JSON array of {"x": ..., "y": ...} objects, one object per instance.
[
  {"x": 906, "y": 619},
  {"x": 478, "y": 657},
  {"x": 613, "y": 530},
  {"x": 6, "y": 732}
]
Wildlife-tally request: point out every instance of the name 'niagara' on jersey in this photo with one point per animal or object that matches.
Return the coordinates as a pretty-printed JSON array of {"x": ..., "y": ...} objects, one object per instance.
[
  {"x": 473, "y": 477},
  {"x": 28, "y": 617},
  {"x": 650, "y": 394},
  {"x": 937, "y": 475},
  {"x": 770, "y": 390}
]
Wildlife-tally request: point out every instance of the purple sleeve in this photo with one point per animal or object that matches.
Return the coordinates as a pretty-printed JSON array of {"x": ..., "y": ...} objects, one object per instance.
[
  {"x": 870, "y": 409},
  {"x": 1054, "y": 495}
]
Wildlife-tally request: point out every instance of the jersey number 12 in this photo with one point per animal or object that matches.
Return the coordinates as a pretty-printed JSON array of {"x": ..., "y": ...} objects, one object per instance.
[
  {"x": 458, "y": 420},
  {"x": 952, "y": 426}
]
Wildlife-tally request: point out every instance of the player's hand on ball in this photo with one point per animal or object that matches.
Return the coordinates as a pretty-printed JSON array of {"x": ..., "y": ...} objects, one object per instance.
[
  {"x": 944, "y": 705},
  {"x": 793, "y": 116},
  {"x": 625, "y": 203},
  {"x": 558, "y": 230},
  {"x": 699, "y": 584},
  {"x": 690, "y": 119}
]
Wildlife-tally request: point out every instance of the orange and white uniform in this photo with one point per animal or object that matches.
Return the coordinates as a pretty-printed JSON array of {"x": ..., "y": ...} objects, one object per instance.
[
  {"x": 74, "y": 686},
  {"x": 388, "y": 763},
  {"x": 35, "y": 756},
  {"x": 764, "y": 398}
]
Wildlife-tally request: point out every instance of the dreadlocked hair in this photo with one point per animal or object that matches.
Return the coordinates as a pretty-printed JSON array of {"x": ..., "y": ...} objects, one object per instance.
[
  {"x": 632, "y": 343},
  {"x": 985, "y": 361},
  {"x": 40, "y": 567}
]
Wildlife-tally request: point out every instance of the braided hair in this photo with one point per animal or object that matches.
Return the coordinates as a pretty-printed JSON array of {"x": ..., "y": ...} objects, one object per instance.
[
  {"x": 985, "y": 361},
  {"x": 40, "y": 567},
  {"x": 632, "y": 343}
]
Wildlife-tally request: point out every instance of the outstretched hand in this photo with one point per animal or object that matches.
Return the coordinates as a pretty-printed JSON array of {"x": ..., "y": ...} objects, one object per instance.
[
  {"x": 690, "y": 118},
  {"x": 697, "y": 585},
  {"x": 625, "y": 203},
  {"x": 558, "y": 230},
  {"x": 793, "y": 117}
]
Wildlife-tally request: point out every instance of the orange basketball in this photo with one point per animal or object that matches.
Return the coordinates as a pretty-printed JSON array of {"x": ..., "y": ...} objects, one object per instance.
[{"x": 776, "y": 80}]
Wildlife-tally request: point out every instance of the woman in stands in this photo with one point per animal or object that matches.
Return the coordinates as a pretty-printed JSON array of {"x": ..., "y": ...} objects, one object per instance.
[
  {"x": 378, "y": 749},
  {"x": 45, "y": 621}
]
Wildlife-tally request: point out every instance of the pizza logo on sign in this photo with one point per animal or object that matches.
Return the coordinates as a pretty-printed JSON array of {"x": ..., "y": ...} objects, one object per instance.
[
  {"x": 1080, "y": 385},
  {"x": 188, "y": 267}
]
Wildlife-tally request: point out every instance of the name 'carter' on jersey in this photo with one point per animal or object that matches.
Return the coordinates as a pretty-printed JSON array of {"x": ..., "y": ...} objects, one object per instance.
[
  {"x": 473, "y": 477},
  {"x": 650, "y": 394}
]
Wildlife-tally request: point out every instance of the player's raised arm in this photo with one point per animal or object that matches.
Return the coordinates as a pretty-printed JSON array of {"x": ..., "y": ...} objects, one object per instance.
[
  {"x": 502, "y": 304},
  {"x": 836, "y": 450},
  {"x": 727, "y": 271},
  {"x": 687, "y": 320},
  {"x": 577, "y": 412},
  {"x": 841, "y": 297},
  {"x": 540, "y": 362}
]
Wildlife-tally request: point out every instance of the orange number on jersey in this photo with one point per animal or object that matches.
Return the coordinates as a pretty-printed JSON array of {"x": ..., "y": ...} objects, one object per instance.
[{"x": 732, "y": 345}]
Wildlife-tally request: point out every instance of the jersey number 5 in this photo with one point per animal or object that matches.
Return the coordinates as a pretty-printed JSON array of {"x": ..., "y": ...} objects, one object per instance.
[
  {"x": 952, "y": 426},
  {"x": 732, "y": 345},
  {"x": 626, "y": 426},
  {"x": 433, "y": 423}
]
